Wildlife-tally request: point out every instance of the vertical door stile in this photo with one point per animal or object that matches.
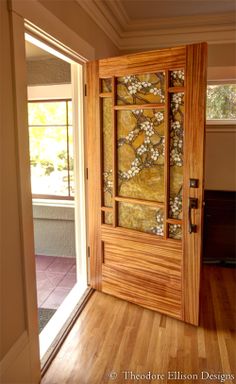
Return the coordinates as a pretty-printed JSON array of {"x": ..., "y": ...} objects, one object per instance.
[
  {"x": 166, "y": 163},
  {"x": 114, "y": 154},
  {"x": 94, "y": 181}
]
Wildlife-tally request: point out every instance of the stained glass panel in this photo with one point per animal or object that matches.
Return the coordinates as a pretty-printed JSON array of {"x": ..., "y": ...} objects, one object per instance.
[
  {"x": 175, "y": 231},
  {"x": 107, "y": 151},
  {"x": 176, "y": 155},
  {"x": 141, "y": 89},
  {"x": 141, "y": 218},
  {"x": 177, "y": 78},
  {"x": 106, "y": 85},
  {"x": 141, "y": 154},
  {"x": 108, "y": 218}
]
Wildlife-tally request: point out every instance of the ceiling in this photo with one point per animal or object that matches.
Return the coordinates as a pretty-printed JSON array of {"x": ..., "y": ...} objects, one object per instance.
[{"x": 139, "y": 24}]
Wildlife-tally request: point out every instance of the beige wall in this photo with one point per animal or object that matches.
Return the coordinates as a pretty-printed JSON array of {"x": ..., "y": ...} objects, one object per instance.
[
  {"x": 12, "y": 287},
  {"x": 220, "y": 164},
  {"x": 16, "y": 360},
  {"x": 71, "y": 13}
]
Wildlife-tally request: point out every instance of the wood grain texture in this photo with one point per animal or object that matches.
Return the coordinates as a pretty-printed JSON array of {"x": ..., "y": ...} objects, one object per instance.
[
  {"x": 152, "y": 61},
  {"x": 143, "y": 274},
  {"x": 186, "y": 306},
  {"x": 139, "y": 239},
  {"x": 195, "y": 98},
  {"x": 114, "y": 335},
  {"x": 94, "y": 172},
  {"x": 149, "y": 290}
]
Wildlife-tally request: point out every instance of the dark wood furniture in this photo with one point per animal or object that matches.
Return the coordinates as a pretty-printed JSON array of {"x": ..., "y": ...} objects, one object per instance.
[{"x": 220, "y": 227}]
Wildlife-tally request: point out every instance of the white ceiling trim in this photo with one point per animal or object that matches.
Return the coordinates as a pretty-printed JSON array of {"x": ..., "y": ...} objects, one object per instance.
[{"x": 129, "y": 34}]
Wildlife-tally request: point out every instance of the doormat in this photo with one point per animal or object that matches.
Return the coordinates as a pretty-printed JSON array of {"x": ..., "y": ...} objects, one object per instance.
[{"x": 44, "y": 315}]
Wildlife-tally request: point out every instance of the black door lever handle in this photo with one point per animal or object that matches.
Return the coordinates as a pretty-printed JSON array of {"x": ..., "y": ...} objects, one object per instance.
[{"x": 193, "y": 204}]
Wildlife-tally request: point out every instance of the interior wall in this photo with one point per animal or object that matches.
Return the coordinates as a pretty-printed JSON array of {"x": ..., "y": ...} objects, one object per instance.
[
  {"x": 13, "y": 322},
  {"x": 15, "y": 358},
  {"x": 220, "y": 164},
  {"x": 71, "y": 13}
]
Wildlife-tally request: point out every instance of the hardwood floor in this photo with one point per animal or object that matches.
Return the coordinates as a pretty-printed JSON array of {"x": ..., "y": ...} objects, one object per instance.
[{"x": 112, "y": 336}]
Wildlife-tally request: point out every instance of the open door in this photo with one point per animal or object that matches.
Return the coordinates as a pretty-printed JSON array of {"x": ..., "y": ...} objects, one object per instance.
[{"x": 146, "y": 118}]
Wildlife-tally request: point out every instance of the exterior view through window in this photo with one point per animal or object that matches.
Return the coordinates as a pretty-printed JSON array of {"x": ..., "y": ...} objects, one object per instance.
[
  {"x": 56, "y": 144},
  {"x": 51, "y": 149},
  {"x": 221, "y": 102}
]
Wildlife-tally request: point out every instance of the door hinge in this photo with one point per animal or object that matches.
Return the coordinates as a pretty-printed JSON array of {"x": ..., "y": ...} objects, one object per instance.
[
  {"x": 85, "y": 89},
  {"x": 88, "y": 251},
  {"x": 86, "y": 173}
]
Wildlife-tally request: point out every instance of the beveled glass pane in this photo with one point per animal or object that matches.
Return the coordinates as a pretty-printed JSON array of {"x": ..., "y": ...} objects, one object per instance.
[
  {"x": 175, "y": 231},
  {"x": 141, "y": 89},
  {"x": 176, "y": 155},
  {"x": 106, "y": 85},
  {"x": 107, "y": 150},
  {"x": 47, "y": 113},
  {"x": 177, "y": 78},
  {"x": 141, "y": 218},
  {"x": 140, "y": 135},
  {"x": 108, "y": 218}
]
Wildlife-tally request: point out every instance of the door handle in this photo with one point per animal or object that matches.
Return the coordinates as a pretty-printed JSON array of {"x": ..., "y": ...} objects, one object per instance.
[{"x": 193, "y": 204}]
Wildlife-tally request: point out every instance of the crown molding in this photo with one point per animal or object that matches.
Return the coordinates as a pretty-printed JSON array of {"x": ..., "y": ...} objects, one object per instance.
[{"x": 130, "y": 35}]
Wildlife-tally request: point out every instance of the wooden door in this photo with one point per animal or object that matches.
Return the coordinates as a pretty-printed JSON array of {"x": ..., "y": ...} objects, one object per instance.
[{"x": 146, "y": 117}]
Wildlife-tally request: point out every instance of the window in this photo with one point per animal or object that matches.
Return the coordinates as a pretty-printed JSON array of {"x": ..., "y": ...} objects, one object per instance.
[
  {"x": 221, "y": 102},
  {"x": 51, "y": 149}
]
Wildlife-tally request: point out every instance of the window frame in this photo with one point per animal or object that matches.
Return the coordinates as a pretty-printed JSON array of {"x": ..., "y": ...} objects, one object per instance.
[
  {"x": 220, "y": 121},
  {"x": 39, "y": 196}
]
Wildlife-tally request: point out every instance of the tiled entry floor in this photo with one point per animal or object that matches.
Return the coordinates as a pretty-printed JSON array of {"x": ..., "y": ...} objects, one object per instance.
[{"x": 55, "y": 278}]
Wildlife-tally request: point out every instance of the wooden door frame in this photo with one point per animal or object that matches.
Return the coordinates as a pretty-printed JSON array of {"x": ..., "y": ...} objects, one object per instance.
[{"x": 195, "y": 57}]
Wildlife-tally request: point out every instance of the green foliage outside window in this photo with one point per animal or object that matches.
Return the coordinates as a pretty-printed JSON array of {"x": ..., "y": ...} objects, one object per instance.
[
  {"x": 51, "y": 148},
  {"x": 221, "y": 102}
]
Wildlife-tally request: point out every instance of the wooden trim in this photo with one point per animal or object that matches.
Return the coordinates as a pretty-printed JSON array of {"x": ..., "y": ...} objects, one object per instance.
[
  {"x": 195, "y": 96},
  {"x": 131, "y": 200},
  {"x": 106, "y": 209},
  {"x": 114, "y": 151},
  {"x": 176, "y": 89},
  {"x": 167, "y": 155},
  {"x": 118, "y": 234},
  {"x": 138, "y": 106},
  {"x": 94, "y": 181},
  {"x": 105, "y": 94},
  {"x": 174, "y": 221},
  {"x": 151, "y": 61}
]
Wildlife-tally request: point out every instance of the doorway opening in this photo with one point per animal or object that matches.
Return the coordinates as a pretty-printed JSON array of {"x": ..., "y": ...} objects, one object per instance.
[{"x": 55, "y": 123}]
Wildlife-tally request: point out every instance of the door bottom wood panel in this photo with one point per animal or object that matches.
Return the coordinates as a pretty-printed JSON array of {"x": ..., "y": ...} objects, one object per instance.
[
  {"x": 149, "y": 294},
  {"x": 145, "y": 276}
]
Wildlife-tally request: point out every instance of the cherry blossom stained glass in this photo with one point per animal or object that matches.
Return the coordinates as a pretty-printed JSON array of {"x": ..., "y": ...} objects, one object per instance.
[
  {"x": 108, "y": 218},
  {"x": 106, "y": 85},
  {"x": 141, "y": 89},
  {"x": 175, "y": 231},
  {"x": 177, "y": 78},
  {"x": 176, "y": 155},
  {"x": 141, "y": 218},
  {"x": 140, "y": 141},
  {"x": 107, "y": 151}
]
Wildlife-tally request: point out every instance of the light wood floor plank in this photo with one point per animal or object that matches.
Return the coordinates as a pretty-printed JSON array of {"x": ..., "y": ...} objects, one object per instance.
[{"x": 113, "y": 335}]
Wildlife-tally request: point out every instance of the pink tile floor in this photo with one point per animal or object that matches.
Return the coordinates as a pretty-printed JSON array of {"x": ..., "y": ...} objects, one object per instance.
[{"x": 55, "y": 278}]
